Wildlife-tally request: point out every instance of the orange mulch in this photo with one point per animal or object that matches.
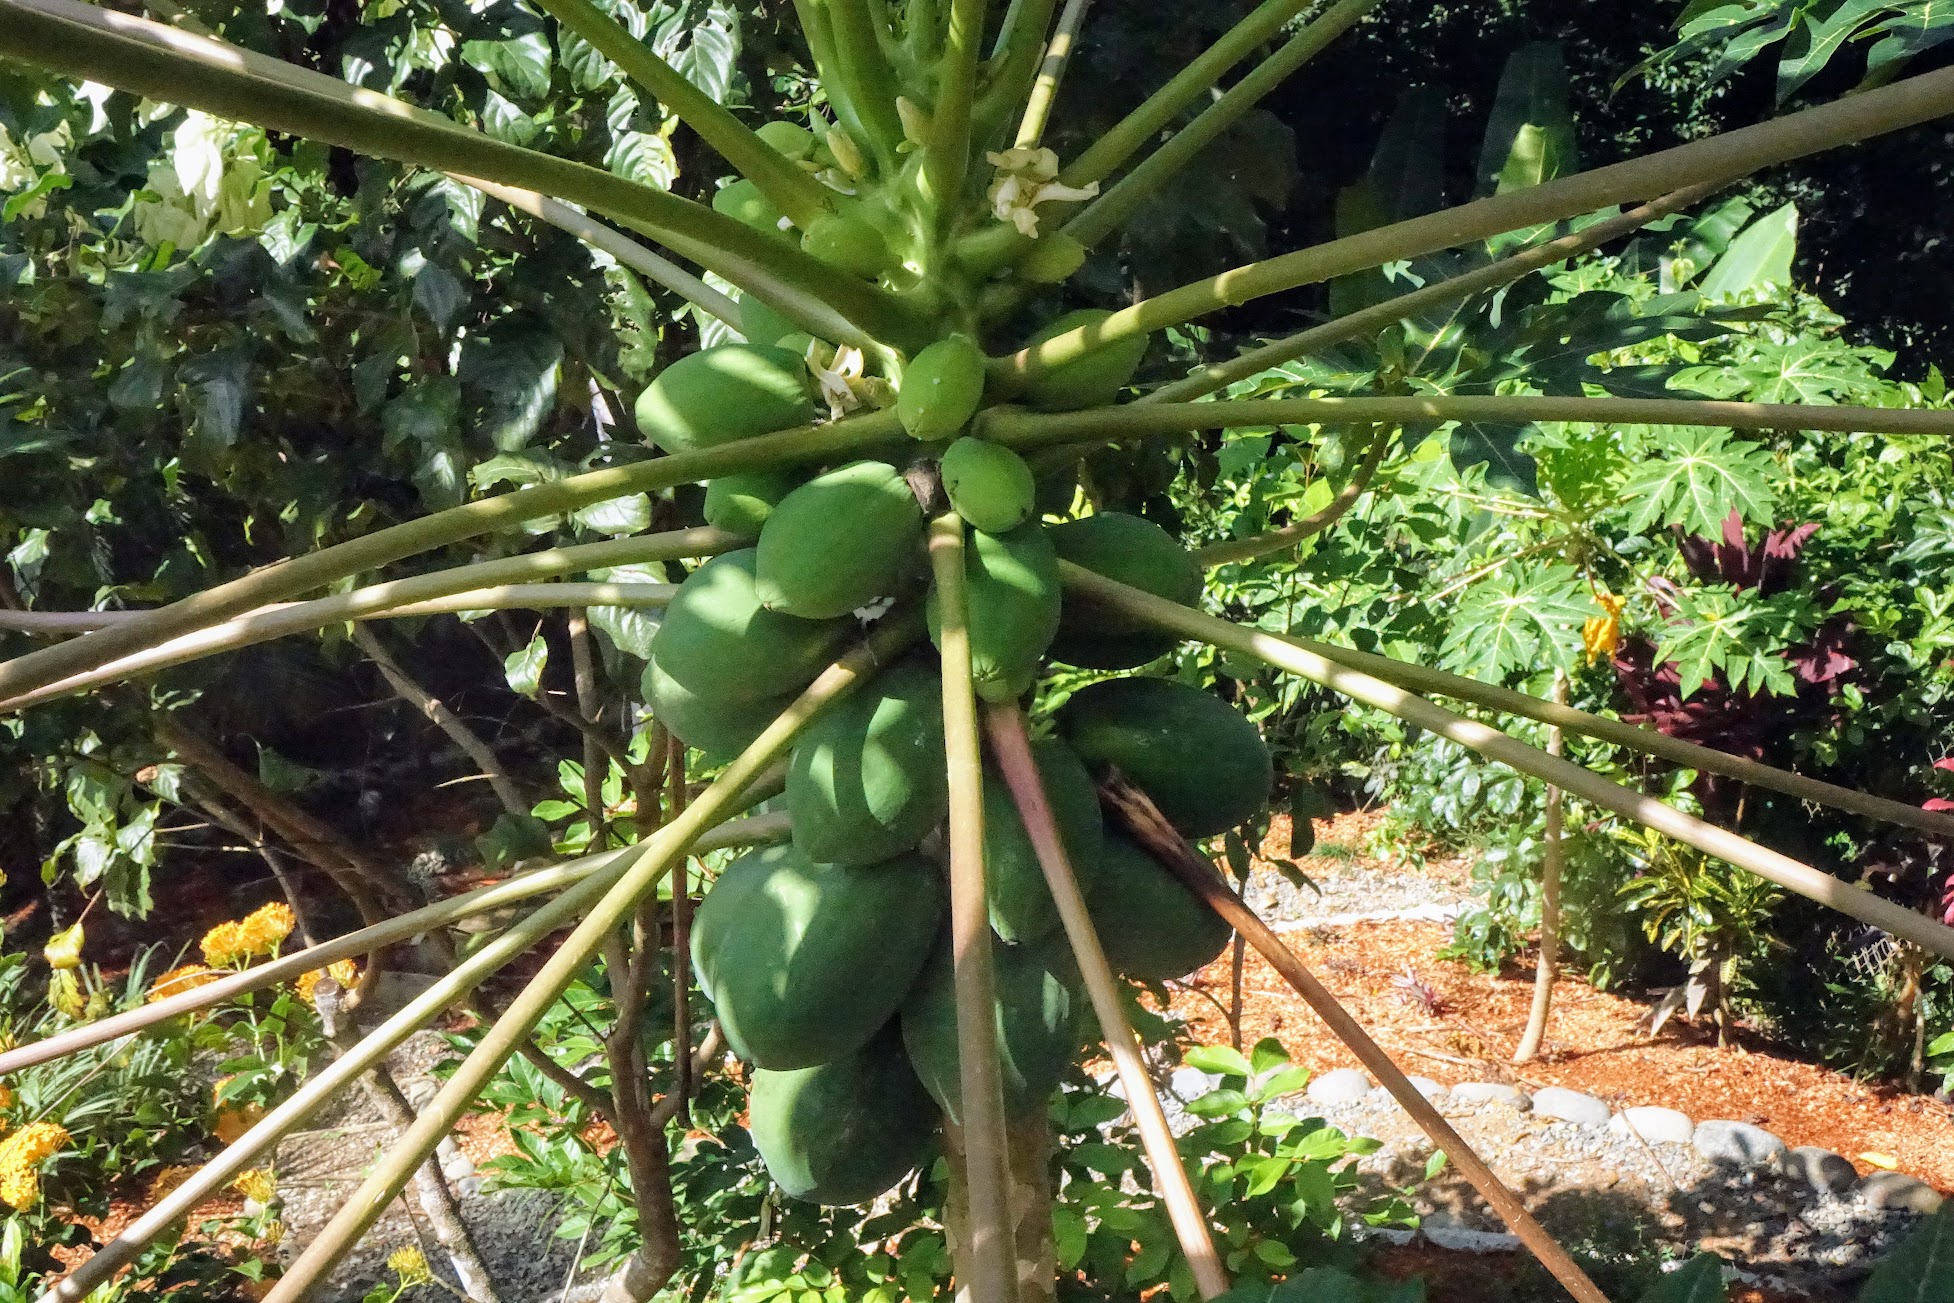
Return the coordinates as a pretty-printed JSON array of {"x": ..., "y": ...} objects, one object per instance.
[{"x": 1463, "y": 1026}]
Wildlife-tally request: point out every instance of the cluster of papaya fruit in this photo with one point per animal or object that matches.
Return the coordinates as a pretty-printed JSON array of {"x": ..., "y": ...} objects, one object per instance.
[{"x": 827, "y": 959}]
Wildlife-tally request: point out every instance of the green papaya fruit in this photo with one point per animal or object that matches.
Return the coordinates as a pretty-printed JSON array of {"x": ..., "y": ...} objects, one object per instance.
[
  {"x": 804, "y": 961},
  {"x": 1052, "y": 259},
  {"x": 732, "y": 391},
  {"x": 1021, "y": 906},
  {"x": 1090, "y": 381},
  {"x": 1037, "y": 1032},
  {"x": 1011, "y": 604},
  {"x": 1135, "y": 552},
  {"x": 1198, "y": 759},
  {"x": 741, "y": 504},
  {"x": 839, "y": 541},
  {"x": 718, "y": 727},
  {"x": 763, "y": 325},
  {"x": 1150, "y": 925},
  {"x": 789, "y": 138},
  {"x": 866, "y": 779},
  {"x": 942, "y": 388},
  {"x": 846, "y": 242},
  {"x": 988, "y": 484},
  {"x": 718, "y": 640},
  {"x": 744, "y": 203},
  {"x": 846, "y": 1131}
]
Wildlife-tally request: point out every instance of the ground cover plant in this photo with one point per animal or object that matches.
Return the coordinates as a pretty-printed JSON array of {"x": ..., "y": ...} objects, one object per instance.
[{"x": 895, "y": 550}]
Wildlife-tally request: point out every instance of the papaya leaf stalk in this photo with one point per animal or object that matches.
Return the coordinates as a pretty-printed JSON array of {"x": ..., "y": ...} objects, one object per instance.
[
  {"x": 793, "y": 191},
  {"x": 946, "y": 158},
  {"x": 806, "y": 444},
  {"x": 178, "y": 67},
  {"x": 991, "y": 1252},
  {"x": 1153, "y": 831},
  {"x": 1287, "y": 655},
  {"x": 1116, "y": 207},
  {"x": 343, "y": 1071},
  {"x": 1058, "y": 53},
  {"x": 1368, "y": 321},
  {"x": 1004, "y": 724},
  {"x": 652, "y": 860},
  {"x": 1023, "y": 429},
  {"x": 1144, "y": 124},
  {"x": 1718, "y": 159}
]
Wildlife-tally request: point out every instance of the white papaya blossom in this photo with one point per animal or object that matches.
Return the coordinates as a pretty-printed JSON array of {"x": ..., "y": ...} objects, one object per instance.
[{"x": 1027, "y": 177}]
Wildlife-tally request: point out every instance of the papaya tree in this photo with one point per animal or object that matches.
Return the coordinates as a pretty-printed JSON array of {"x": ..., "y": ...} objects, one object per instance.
[{"x": 891, "y": 555}]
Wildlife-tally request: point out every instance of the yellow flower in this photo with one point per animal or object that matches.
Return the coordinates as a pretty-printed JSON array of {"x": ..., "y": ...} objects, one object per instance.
[
  {"x": 410, "y": 1264},
  {"x": 1602, "y": 634},
  {"x": 165, "y": 1182},
  {"x": 258, "y": 1185},
  {"x": 342, "y": 971},
  {"x": 6, "y": 1098},
  {"x": 178, "y": 980},
  {"x": 63, "y": 949},
  {"x": 21, "y": 1156},
  {"x": 223, "y": 945}
]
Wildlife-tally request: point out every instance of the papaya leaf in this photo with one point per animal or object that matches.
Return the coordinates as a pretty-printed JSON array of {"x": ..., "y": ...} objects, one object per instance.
[
  {"x": 1530, "y": 134},
  {"x": 1496, "y": 446},
  {"x": 1694, "y": 478},
  {"x": 1517, "y": 620},
  {"x": 1759, "y": 257},
  {"x": 1920, "y": 26}
]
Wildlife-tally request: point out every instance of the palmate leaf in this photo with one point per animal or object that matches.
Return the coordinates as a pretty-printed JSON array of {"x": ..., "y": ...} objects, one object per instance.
[
  {"x": 1693, "y": 478},
  {"x": 1521, "y": 618},
  {"x": 1719, "y": 631},
  {"x": 1495, "y": 446}
]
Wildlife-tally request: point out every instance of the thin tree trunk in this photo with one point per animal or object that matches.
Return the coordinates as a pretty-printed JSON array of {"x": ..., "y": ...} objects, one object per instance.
[
  {"x": 1553, "y": 860},
  {"x": 446, "y": 720}
]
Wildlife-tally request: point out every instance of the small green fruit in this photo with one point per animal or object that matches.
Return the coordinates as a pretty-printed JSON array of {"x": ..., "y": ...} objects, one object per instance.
[
  {"x": 1053, "y": 259},
  {"x": 847, "y": 243},
  {"x": 1090, "y": 381},
  {"x": 942, "y": 387},
  {"x": 1134, "y": 551},
  {"x": 989, "y": 485},
  {"x": 743, "y": 202},
  {"x": 789, "y": 138},
  {"x": 742, "y": 503},
  {"x": 839, "y": 541},
  {"x": 733, "y": 391},
  {"x": 1011, "y": 595}
]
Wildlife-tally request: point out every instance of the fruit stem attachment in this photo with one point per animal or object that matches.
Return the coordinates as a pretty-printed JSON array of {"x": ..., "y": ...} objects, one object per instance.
[
  {"x": 1153, "y": 832},
  {"x": 1058, "y": 53},
  {"x": 1290, "y": 655},
  {"x": 654, "y": 857},
  {"x": 1718, "y": 159},
  {"x": 980, "y": 1077},
  {"x": 1112, "y": 209},
  {"x": 1009, "y": 743}
]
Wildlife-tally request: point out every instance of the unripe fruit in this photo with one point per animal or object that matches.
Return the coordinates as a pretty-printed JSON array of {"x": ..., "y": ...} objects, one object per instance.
[
  {"x": 1198, "y": 758},
  {"x": 846, "y": 1131},
  {"x": 743, "y": 202},
  {"x": 1134, "y": 551},
  {"x": 838, "y": 542},
  {"x": 762, "y": 325},
  {"x": 1090, "y": 381},
  {"x": 733, "y": 391},
  {"x": 847, "y": 243},
  {"x": 789, "y": 138},
  {"x": 942, "y": 387},
  {"x": 989, "y": 485},
  {"x": 1053, "y": 259},
  {"x": 741, "y": 504},
  {"x": 1011, "y": 595}
]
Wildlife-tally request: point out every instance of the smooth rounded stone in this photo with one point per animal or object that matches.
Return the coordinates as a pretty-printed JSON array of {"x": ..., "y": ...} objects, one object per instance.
[
  {"x": 1655, "y": 1124},
  {"x": 1192, "y": 1083},
  {"x": 1562, "y": 1104},
  {"x": 1819, "y": 1168},
  {"x": 1339, "y": 1086},
  {"x": 1427, "y": 1087},
  {"x": 1898, "y": 1192},
  {"x": 1738, "y": 1144},
  {"x": 1491, "y": 1092}
]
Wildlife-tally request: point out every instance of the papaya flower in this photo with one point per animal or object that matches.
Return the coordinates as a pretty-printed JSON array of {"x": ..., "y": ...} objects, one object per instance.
[
  {"x": 1027, "y": 177},
  {"x": 1602, "y": 634}
]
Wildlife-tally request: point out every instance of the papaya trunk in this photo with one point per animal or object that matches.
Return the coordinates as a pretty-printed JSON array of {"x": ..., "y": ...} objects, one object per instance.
[{"x": 1028, "y": 1155}]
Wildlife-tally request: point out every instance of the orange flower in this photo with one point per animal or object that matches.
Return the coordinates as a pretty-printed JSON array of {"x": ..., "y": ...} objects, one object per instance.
[
  {"x": 178, "y": 980},
  {"x": 1602, "y": 635},
  {"x": 257, "y": 933},
  {"x": 343, "y": 971}
]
